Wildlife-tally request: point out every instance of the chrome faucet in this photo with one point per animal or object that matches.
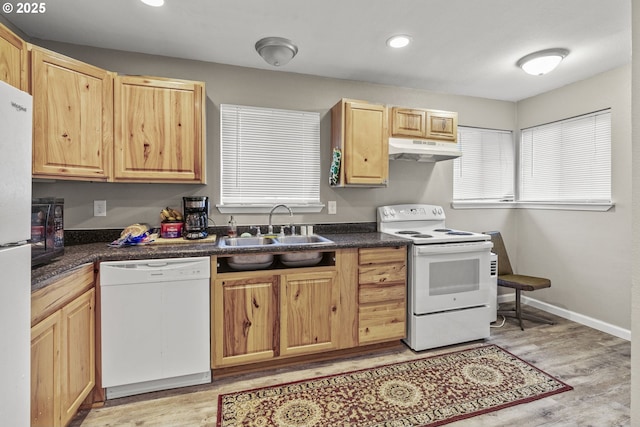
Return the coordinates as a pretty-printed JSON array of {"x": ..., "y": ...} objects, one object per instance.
[{"x": 270, "y": 229}]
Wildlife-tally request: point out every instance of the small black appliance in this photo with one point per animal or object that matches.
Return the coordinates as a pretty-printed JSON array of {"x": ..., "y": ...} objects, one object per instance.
[{"x": 195, "y": 211}]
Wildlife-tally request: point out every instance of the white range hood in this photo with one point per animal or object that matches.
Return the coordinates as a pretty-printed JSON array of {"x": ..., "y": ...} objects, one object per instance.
[{"x": 421, "y": 150}]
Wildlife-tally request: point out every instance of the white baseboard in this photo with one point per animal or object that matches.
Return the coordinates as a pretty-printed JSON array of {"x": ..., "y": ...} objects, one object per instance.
[{"x": 570, "y": 315}]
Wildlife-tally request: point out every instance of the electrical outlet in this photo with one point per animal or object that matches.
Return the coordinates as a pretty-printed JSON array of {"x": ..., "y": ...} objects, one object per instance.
[
  {"x": 331, "y": 207},
  {"x": 99, "y": 208}
]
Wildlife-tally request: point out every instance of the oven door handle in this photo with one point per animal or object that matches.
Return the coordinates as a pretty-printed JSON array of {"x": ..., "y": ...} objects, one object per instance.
[{"x": 452, "y": 248}]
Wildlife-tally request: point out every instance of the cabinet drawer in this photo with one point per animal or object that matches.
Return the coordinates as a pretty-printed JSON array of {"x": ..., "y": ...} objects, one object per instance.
[
  {"x": 381, "y": 322},
  {"x": 385, "y": 273},
  {"x": 382, "y": 255},
  {"x": 381, "y": 292}
]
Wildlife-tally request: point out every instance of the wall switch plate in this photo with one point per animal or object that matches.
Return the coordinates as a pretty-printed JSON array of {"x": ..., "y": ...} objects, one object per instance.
[
  {"x": 99, "y": 208},
  {"x": 331, "y": 207}
]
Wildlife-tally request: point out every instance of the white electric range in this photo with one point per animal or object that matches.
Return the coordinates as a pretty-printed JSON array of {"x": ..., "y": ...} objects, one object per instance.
[{"x": 452, "y": 277}]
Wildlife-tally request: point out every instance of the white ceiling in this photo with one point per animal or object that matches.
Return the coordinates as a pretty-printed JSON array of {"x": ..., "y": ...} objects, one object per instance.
[{"x": 466, "y": 47}]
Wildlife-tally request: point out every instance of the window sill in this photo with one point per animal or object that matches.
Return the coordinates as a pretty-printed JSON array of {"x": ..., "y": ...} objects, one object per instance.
[
  {"x": 577, "y": 206},
  {"x": 265, "y": 209}
]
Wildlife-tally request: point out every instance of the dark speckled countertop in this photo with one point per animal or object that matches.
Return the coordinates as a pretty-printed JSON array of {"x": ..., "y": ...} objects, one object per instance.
[{"x": 79, "y": 254}]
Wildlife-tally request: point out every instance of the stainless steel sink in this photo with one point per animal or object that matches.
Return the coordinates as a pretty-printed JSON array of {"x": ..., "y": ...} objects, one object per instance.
[
  {"x": 246, "y": 241},
  {"x": 260, "y": 261},
  {"x": 302, "y": 258},
  {"x": 250, "y": 261},
  {"x": 302, "y": 240}
]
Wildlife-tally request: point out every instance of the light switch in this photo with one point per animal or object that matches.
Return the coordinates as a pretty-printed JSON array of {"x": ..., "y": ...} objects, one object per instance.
[
  {"x": 331, "y": 207},
  {"x": 99, "y": 208}
]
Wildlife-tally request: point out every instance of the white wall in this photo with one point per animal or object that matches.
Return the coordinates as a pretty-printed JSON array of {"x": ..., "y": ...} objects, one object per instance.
[{"x": 587, "y": 255}]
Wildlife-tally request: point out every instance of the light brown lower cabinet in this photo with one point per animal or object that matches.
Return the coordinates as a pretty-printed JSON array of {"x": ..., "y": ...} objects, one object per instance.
[
  {"x": 275, "y": 314},
  {"x": 259, "y": 316},
  {"x": 244, "y": 316},
  {"x": 45, "y": 372},
  {"x": 77, "y": 354},
  {"x": 62, "y": 348},
  {"x": 382, "y": 291},
  {"x": 308, "y": 312}
]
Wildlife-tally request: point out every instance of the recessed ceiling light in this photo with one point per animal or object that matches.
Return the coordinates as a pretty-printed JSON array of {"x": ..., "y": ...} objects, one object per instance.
[
  {"x": 154, "y": 3},
  {"x": 399, "y": 41},
  {"x": 542, "y": 62}
]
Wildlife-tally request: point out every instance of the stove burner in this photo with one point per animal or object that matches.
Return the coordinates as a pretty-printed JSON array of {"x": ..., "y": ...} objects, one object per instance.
[
  {"x": 422, "y": 236},
  {"x": 407, "y": 232},
  {"x": 442, "y": 230},
  {"x": 459, "y": 233}
]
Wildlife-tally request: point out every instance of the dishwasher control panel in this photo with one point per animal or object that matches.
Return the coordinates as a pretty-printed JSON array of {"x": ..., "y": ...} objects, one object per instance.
[{"x": 113, "y": 273}]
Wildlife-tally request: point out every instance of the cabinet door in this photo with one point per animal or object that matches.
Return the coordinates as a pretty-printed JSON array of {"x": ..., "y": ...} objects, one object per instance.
[
  {"x": 159, "y": 134},
  {"x": 77, "y": 353},
  {"x": 308, "y": 313},
  {"x": 73, "y": 118},
  {"x": 45, "y": 372},
  {"x": 442, "y": 125},
  {"x": 13, "y": 59},
  {"x": 366, "y": 156},
  {"x": 245, "y": 312},
  {"x": 408, "y": 122}
]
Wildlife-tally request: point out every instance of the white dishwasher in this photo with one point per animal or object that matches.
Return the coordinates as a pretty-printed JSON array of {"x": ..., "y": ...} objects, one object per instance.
[{"x": 154, "y": 324}]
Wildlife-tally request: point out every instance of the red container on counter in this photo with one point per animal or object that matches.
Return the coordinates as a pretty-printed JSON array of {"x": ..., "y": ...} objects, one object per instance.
[{"x": 170, "y": 230}]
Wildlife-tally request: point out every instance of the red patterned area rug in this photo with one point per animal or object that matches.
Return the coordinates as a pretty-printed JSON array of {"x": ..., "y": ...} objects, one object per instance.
[{"x": 426, "y": 392}]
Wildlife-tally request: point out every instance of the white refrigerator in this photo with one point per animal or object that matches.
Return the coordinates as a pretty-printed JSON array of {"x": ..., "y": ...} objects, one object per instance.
[{"x": 15, "y": 255}]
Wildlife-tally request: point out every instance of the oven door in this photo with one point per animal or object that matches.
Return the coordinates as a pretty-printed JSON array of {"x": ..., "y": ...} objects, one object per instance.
[{"x": 450, "y": 276}]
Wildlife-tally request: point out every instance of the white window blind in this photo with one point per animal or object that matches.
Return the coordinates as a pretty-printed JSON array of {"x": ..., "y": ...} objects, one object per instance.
[
  {"x": 269, "y": 156},
  {"x": 567, "y": 161},
  {"x": 485, "y": 171}
]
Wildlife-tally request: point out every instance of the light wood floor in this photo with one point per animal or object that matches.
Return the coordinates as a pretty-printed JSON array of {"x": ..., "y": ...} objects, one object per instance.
[{"x": 596, "y": 364}]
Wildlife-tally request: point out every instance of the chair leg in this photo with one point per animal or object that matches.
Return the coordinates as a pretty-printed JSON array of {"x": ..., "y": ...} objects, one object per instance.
[
  {"x": 519, "y": 308},
  {"x": 517, "y": 313},
  {"x": 537, "y": 319}
]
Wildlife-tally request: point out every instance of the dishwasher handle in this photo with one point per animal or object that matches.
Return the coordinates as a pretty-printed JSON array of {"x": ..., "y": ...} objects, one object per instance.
[{"x": 157, "y": 264}]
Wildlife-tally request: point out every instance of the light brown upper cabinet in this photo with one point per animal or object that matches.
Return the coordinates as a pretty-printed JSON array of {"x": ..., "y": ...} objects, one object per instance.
[
  {"x": 73, "y": 117},
  {"x": 13, "y": 59},
  {"x": 426, "y": 124},
  {"x": 408, "y": 122},
  {"x": 360, "y": 131},
  {"x": 159, "y": 130}
]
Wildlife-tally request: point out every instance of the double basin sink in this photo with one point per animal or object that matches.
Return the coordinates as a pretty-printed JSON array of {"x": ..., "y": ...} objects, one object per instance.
[{"x": 264, "y": 260}]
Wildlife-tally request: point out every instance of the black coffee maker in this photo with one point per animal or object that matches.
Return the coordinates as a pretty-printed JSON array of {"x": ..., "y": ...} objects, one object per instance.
[{"x": 195, "y": 210}]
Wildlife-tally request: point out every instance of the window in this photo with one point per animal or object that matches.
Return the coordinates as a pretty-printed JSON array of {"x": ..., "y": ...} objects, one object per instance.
[
  {"x": 485, "y": 171},
  {"x": 567, "y": 161},
  {"x": 269, "y": 156}
]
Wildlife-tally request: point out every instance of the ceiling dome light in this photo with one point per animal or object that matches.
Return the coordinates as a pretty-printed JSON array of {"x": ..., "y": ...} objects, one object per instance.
[
  {"x": 542, "y": 62},
  {"x": 399, "y": 41},
  {"x": 154, "y": 3},
  {"x": 276, "y": 50}
]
